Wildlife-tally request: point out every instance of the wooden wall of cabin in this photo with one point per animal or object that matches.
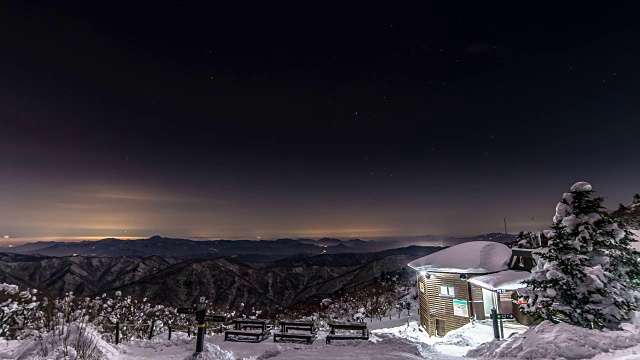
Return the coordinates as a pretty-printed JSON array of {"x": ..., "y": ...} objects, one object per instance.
[
  {"x": 435, "y": 308},
  {"x": 505, "y": 305},
  {"x": 477, "y": 301}
]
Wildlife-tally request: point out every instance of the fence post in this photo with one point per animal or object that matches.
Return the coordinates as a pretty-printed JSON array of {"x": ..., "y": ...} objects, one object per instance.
[
  {"x": 151, "y": 330},
  {"x": 189, "y": 331},
  {"x": 117, "y": 331},
  {"x": 169, "y": 332}
]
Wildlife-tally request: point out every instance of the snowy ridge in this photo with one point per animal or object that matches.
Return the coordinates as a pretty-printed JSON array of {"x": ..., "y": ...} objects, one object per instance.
[{"x": 476, "y": 257}]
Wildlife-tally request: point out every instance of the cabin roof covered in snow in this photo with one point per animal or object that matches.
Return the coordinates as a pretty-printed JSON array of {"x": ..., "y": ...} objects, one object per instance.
[
  {"x": 506, "y": 280},
  {"x": 474, "y": 257}
]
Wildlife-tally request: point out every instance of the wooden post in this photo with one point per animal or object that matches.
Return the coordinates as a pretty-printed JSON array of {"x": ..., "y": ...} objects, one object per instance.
[
  {"x": 169, "y": 332},
  {"x": 117, "y": 332},
  {"x": 188, "y": 331}
]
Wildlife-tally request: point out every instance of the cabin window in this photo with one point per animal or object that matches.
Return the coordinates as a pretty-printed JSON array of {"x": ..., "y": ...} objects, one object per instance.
[
  {"x": 448, "y": 291},
  {"x": 421, "y": 286}
]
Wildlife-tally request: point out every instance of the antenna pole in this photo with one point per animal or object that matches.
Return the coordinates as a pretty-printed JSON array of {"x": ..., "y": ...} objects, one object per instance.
[{"x": 505, "y": 226}]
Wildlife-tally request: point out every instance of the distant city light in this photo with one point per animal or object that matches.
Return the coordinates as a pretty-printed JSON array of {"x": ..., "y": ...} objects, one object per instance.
[{"x": 6, "y": 236}]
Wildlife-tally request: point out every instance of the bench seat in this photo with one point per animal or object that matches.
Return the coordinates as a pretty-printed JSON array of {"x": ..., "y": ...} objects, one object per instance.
[
  {"x": 346, "y": 337},
  {"x": 309, "y": 337},
  {"x": 259, "y": 335}
]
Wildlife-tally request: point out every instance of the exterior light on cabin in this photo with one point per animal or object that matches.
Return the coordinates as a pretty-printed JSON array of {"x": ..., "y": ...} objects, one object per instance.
[{"x": 463, "y": 276}]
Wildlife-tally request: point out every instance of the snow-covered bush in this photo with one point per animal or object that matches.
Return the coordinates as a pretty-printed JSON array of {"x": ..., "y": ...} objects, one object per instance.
[
  {"x": 589, "y": 275},
  {"x": 17, "y": 310},
  {"x": 79, "y": 341},
  {"x": 526, "y": 240}
]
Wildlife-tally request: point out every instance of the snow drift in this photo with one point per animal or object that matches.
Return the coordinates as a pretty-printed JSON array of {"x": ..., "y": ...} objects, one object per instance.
[{"x": 555, "y": 341}]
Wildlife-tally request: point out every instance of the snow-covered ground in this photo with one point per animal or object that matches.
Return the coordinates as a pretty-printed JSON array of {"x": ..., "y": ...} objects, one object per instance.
[
  {"x": 389, "y": 339},
  {"x": 563, "y": 341}
]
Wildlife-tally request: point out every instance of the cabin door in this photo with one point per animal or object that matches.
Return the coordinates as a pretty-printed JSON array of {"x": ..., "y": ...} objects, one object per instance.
[
  {"x": 489, "y": 303},
  {"x": 440, "y": 330}
]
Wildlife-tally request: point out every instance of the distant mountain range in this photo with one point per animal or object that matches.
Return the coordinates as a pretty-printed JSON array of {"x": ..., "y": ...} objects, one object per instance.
[
  {"x": 225, "y": 281},
  {"x": 263, "y": 251},
  {"x": 267, "y": 275},
  {"x": 83, "y": 276}
]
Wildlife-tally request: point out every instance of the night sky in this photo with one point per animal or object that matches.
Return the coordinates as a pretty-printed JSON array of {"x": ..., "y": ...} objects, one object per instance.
[{"x": 270, "y": 119}]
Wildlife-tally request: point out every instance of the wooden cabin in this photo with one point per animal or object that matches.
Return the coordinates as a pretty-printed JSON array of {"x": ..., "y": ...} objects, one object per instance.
[{"x": 464, "y": 282}]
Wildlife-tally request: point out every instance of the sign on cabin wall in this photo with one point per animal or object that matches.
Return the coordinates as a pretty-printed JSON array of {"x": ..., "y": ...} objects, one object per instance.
[{"x": 460, "y": 308}]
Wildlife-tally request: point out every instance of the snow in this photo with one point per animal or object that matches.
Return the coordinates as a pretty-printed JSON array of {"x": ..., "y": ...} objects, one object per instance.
[
  {"x": 581, "y": 186},
  {"x": 560, "y": 341},
  {"x": 506, "y": 280},
  {"x": 9, "y": 289},
  {"x": 475, "y": 257},
  {"x": 389, "y": 339}
]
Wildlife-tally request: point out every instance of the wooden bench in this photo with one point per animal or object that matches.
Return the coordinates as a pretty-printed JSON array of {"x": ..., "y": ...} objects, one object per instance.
[
  {"x": 308, "y": 337},
  {"x": 241, "y": 324},
  {"x": 347, "y": 337},
  {"x": 285, "y": 326},
  {"x": 360, "y": 327},
  {"x": 259, "y": 335},
  {"x": 298, "y": 328},
  {"x": 252, "y": 327},
  {"x": 307, "y": 327}
]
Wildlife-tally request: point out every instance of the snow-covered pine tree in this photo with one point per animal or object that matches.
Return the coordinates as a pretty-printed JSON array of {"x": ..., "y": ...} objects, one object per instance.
[
  {"x": 589, "y": 275},
  {"x": 630, "y": 215}
]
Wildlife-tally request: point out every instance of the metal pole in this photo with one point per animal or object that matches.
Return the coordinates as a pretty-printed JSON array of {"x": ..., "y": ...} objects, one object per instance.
[
  {"x": 505, "y": 227},
  {"x": 117, "y": 331},
  {"x": 201, "y": 311},
  {"x": 200, "y": 339},
  {"x": 494, "y": 320},
  {"x": 501, "y": 329},
  {"x": 151, "y": 330}
]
